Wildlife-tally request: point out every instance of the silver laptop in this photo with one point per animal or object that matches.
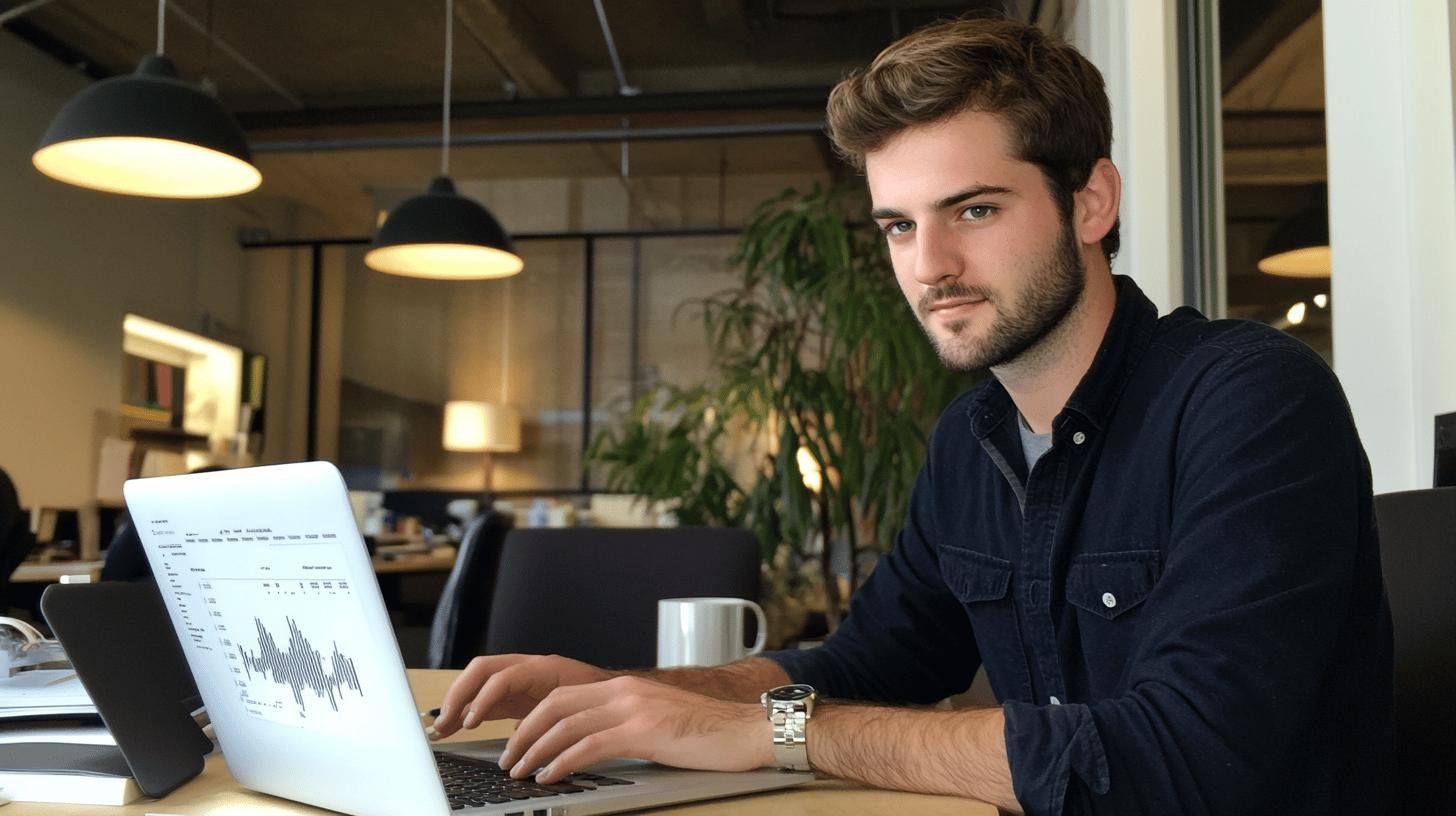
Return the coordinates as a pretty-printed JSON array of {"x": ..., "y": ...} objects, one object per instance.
[{"x": 276, "y": 604}]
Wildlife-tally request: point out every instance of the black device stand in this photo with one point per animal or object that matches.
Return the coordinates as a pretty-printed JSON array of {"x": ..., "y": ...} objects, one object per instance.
[{"x": 124, "y": 650}]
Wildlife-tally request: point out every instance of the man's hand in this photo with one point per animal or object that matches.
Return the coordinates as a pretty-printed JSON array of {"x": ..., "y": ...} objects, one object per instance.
[
  {"x": 508, "y": 686},
  {"x": 577, "y": 725}
]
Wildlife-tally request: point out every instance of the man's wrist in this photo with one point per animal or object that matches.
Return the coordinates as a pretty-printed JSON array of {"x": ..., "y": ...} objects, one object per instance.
[{"x": 762, "y": 738}]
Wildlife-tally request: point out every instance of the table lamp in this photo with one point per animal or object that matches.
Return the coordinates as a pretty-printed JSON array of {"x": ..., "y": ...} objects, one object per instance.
[{"x": 482, "y": 427}]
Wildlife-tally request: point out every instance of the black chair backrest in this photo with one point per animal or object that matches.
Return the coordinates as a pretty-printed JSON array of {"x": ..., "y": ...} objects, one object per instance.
[
  {"x": 592, "y": 593},
  {"x": 457, "y": 632},
  {"x": 1418, "y": 554},
  {"x": 16, "y": 540},
  {"x": 125, "y": 558}
]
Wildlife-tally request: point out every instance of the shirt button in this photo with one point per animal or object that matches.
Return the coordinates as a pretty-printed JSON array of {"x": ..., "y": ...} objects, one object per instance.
[
  {"x": 1078, "y": 438},
  {"x": 1109, "y": 600},
  {"x": 1055, "y": 701}
]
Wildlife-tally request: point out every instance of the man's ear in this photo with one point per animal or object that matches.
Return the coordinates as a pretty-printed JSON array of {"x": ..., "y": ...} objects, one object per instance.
[{"x": 1094, "y": 207}]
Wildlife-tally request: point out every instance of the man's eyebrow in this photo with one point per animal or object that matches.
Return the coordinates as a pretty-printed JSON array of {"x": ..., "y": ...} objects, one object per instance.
[
  {"x": 951, "y": 200},
  {"x": 969, "y": 193}
]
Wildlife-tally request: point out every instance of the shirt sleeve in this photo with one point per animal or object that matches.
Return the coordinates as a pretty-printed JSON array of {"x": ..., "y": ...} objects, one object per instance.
[
  {"x": 906, "y": 638},
  {"x": 1241, "y": 627}
]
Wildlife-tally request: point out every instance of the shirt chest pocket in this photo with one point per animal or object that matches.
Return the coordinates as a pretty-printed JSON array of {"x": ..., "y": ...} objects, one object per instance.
[
  {"x": 1109, "y": 585},
  {"x": 974, "y": 577},
  {"x": 982, "y": 583},
  {"x": 1107, "y": 589}
]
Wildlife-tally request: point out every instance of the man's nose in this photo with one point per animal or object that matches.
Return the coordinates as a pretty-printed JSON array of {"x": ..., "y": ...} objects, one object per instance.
[{"x": 937, "y": 257}]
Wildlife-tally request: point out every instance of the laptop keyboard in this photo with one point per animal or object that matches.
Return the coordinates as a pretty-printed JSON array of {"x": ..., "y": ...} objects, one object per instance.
[{"x": 473, "y": 782}]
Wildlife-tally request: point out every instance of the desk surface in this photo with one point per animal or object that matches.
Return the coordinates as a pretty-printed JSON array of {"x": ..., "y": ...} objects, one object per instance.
[
  {"x": 439, "y": 559},
  {"x": 51, "y": 572},
  {"x": 214, "y": 793}
]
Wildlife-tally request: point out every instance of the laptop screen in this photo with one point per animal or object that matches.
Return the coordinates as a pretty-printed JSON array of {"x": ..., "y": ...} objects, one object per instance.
[{"x": 274, "y": 600}]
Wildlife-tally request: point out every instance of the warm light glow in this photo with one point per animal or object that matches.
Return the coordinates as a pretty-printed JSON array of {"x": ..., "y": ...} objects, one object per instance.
[
  {"x": 1296, "y": 313},
  {"x": 145, "y": 166},
  {"x": 481, "y": 426},
  {"x": 1309, "y": 262},
  {"x": 214, "y": 373},
  {"x": 444, "y": 261},
  {"x": 1322, "y": 300},
  {"x": 810, "y": 471}
]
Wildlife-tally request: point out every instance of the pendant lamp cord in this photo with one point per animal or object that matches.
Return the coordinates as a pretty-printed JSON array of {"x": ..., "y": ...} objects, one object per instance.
[
  {"x": 161, "y": 27},
  {"x": 449, "y": 63}
]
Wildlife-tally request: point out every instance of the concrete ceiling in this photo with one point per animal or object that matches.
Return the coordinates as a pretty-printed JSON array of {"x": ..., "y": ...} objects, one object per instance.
[{"x": 331, "y": 70}]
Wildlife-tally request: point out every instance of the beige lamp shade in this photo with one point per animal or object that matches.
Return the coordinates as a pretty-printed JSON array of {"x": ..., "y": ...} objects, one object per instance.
[{"x": 481, "y": 426}]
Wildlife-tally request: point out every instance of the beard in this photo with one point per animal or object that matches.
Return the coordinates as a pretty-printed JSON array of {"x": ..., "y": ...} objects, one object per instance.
[{"x": 1023, "y": 319}]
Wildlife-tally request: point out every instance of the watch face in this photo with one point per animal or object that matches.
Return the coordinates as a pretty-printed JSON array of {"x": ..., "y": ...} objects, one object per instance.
[{"x": 790, "y": 694}]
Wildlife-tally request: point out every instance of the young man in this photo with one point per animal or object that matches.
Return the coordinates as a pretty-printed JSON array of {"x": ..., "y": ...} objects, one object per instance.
[{"x": 1155, "y": 534}]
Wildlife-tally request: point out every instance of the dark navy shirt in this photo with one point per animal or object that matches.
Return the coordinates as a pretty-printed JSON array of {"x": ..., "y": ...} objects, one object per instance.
[{"x": 1180, "y": 607}]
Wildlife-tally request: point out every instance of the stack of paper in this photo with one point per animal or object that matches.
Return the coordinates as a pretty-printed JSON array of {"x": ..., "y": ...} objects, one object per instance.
[
  {"x": 66, "y": 773},
  {"x": 44, "y": 693}
]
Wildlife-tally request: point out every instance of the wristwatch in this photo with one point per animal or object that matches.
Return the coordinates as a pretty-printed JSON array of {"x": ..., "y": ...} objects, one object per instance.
[{"x": 789, "y": 709}]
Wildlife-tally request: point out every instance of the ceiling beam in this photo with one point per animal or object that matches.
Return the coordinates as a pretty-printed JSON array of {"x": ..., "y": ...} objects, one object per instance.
[
  {"x": 809, "y": 99},
  {"x": 1281, "y": 21},
  {"x": 724, "y": 12},
  {"x": 1275, "y": 165},
  {"x": 513, "y": 40},
  {"x": 1277, "y": 128}
]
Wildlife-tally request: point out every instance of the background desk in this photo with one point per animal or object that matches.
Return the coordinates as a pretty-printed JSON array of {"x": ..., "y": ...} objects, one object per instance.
[
  {"x": 214, "y": 793},
  {"x": 51, "y": 572},
  {"x": 440, "y": 559}
]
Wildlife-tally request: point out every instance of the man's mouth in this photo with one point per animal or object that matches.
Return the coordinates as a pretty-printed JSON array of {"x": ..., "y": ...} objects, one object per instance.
[{"x": 955, "y": 307}]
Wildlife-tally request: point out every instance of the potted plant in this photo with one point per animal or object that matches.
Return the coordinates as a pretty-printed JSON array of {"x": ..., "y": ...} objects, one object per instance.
[{"x": 811, "y": 427}]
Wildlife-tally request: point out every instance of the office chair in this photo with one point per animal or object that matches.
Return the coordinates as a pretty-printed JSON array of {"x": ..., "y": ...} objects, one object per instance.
[
  {"x": 591, "y": 593},
  {"x": 457, "y": 632},
  {"x": 1418, "y": 553},
  {"x": 125, "y": 559},
  {"x": 16, "y": 540}
]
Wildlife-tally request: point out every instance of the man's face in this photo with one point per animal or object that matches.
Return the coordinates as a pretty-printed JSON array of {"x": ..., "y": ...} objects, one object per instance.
[{"x": 979, "y": 248}]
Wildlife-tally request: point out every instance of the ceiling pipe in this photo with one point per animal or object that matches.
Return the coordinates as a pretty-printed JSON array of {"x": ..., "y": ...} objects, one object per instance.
[
  {"x": 542, "y": 137},
  {"x": 622, "y": 87},
  {"x": 237, "y": 57},
  {"x": 22, "y": 9}
]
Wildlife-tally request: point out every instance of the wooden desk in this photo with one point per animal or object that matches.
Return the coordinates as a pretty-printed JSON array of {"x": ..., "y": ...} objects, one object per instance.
[
  {"x": 50, "y": 573},
  {"x": 214, "y": 793},
  {"x": 440, "y": 559}
]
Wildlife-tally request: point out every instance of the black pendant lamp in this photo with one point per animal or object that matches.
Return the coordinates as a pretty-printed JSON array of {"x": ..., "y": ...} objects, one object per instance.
[
  {"x": 442, "y": 234},
  {"x": 148, "y": 134}
]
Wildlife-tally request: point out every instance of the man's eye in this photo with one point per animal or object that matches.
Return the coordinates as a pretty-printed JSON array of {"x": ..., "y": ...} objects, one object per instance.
[
  {"x": 978, "y": 212},
  {"x": 897, "y": 227}
]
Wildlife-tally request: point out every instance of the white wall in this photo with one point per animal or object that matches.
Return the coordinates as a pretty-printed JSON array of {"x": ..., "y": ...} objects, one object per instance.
[
  {"x": 1388, "y": 108},
  {"x": 75, "y": 261},
  {"x": 1134, "y": 44}
]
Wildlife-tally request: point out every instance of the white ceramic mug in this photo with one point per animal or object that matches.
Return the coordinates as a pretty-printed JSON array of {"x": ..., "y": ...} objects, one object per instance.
[{"x": 705, "y": 631}]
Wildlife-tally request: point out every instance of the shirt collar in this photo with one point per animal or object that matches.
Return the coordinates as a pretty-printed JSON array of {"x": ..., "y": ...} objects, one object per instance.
[{"x": 1134, "y": 319}]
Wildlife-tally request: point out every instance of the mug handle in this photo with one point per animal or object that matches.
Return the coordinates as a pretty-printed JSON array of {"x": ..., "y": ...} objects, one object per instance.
[{"x": 762, "y": 638}]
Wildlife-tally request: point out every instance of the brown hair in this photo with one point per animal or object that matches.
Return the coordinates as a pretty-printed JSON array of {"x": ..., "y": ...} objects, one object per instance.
[{"x": 1051, "y": 96}]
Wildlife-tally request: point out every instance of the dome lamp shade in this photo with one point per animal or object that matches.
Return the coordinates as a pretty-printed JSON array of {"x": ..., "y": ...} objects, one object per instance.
[
  {"x": 1300, "y": 247},
  {"x": 444, "y": 236},
  {"x": 149, "y": 133}
]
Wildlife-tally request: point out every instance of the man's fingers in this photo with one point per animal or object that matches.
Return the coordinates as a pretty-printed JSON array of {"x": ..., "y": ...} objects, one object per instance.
[
  {"x": 459, "y": 698},
  {"x": 564, "y": 733},
  {"x": 511, "y": 682},
  {"x": 559, "y": 703},
  {"x": 590, "y": 749}
]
